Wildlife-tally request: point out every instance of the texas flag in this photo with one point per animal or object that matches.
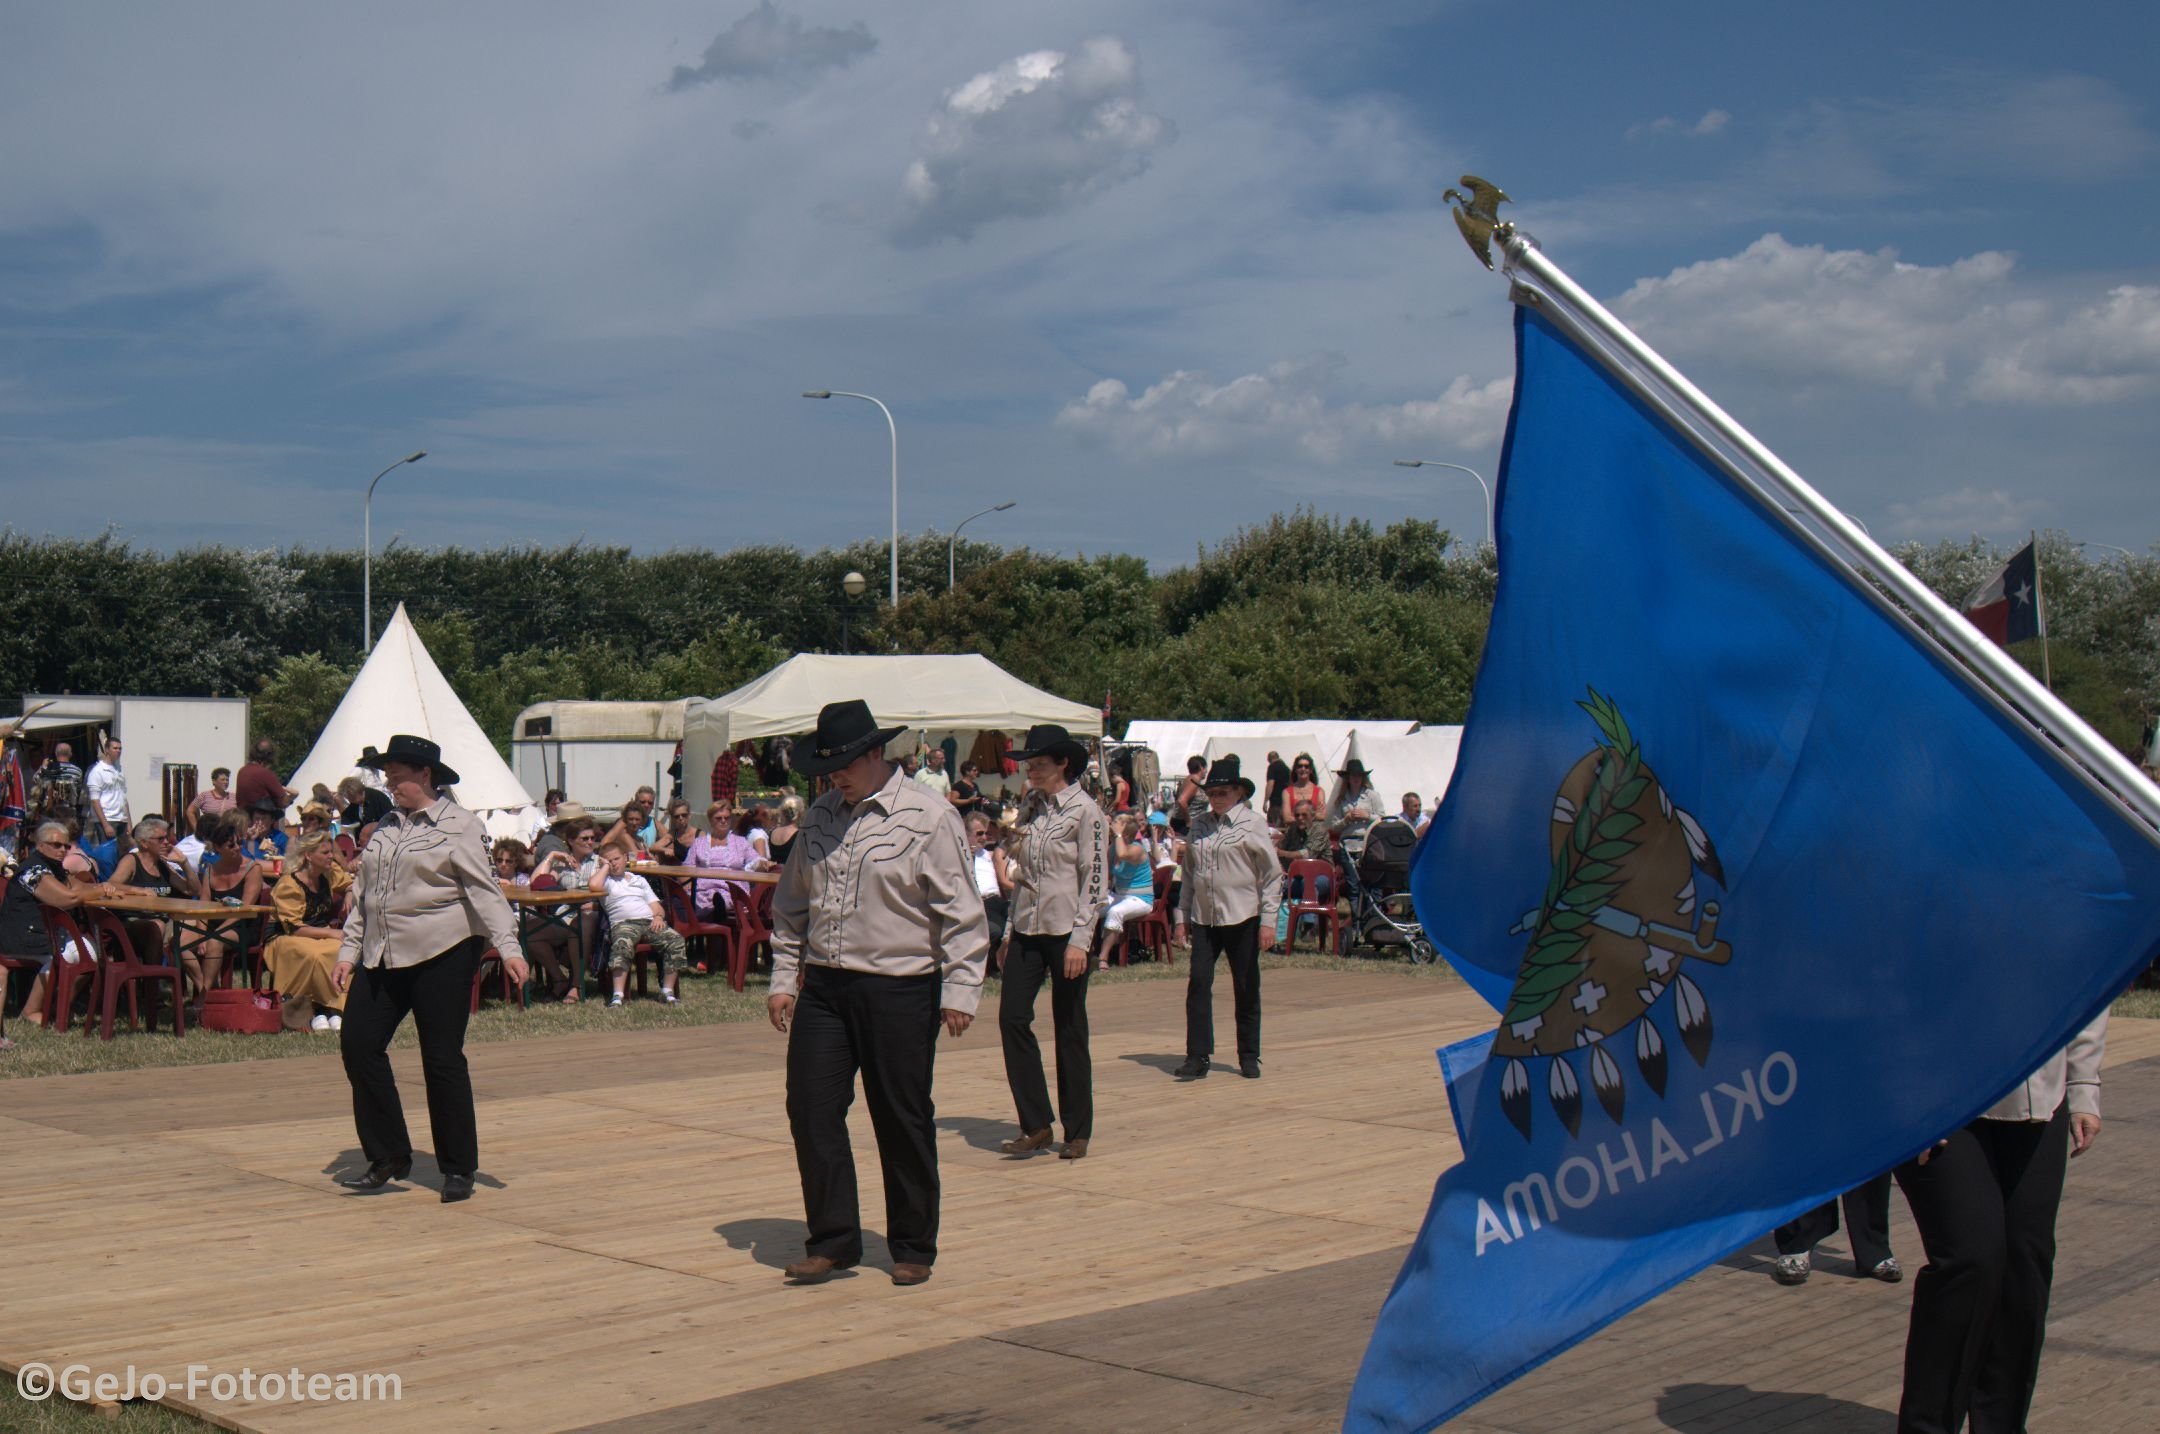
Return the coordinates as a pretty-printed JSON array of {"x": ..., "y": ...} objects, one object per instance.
[{"x": 2007, "y": 606}]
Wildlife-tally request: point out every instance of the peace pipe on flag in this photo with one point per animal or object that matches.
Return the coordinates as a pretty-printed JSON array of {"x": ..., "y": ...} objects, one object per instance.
[{"x": 1867, "y": 878}]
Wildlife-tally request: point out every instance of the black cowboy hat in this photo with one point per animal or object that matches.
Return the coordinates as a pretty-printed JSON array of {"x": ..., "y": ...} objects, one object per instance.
[
  {"x": 1225, "y": 773},
  {"x": 414, "y": 752},
  {"x": 1050, "y": 740},
  {"x": 268, "y": 806},
  {"x": 845, "y": 730},
  {"x": 1353, "y": 768}
]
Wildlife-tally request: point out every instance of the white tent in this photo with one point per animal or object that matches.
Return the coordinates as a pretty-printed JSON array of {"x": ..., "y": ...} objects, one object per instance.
[
  {"x": 1422, "y": 762},
  {"x": 936, "y": 693},
  {"x": 1174, "y": 742},
  {"x": 400, "y": 689}
]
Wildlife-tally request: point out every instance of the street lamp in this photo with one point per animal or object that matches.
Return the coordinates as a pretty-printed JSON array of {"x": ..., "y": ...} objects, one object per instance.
[
  {"x": 894, "y": 429},
  {"x": 1436, "y": 463},
  {"x": 2109, "y": 546},
  {"x": 952, "y": 544},
  {"x": 367, "y": 554},
  {"x": 853, "y": 586}
]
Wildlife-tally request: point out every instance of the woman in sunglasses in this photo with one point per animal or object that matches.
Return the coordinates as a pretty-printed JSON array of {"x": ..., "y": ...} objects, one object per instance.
[
  {"x": 229, "y": 875},
  {"x": 53, "y": 874},
  {"x": 1303, "y": 787}
]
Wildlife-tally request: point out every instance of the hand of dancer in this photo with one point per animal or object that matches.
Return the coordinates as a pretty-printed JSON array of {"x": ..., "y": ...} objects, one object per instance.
[
  {"x": 341, "y": 976},
  {"x": 1267, "y": 937},
  {"x": 1075, "y": 962},
  {"x": 957, "y": 1022},
  {"x": 1931, "y": 1152},
  {"x": 2084, "y": 1130},
  {"x": 780, "y": 1010}
]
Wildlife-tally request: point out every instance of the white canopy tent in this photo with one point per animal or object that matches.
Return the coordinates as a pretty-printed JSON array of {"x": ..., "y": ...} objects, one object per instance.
[
  {"x": 1174, "y": 742},
  {"x": 400, "y": 689},
  {"x": 932, "y": 694},
  {"x": 1421, "y": 762}
]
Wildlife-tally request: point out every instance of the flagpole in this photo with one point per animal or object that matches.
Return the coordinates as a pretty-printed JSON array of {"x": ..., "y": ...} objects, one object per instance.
[
  {"x": 2047, "y": 668},
  {"x": 1541, "y": 284}
]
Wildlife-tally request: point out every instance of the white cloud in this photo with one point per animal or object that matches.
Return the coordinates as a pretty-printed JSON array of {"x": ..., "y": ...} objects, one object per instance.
[
  {"x": 1973, "y": 330},
  {"x": 1034, "y": 136},
  {"x": 1962, "y": 511},
  {"x": 768, "y": 43},
  {"x": 1712, "y": 122},
  {"x": 1187, "y": 414}
]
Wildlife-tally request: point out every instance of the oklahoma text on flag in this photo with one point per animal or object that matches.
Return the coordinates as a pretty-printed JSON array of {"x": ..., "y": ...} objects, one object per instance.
[{"x": 1766, "y": 896}]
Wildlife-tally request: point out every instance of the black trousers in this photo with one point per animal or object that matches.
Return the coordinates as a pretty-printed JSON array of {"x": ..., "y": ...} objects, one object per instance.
[
  {"x": 886, "y": 1027},
  {"x": 1026, "y": 963},
  {"x": 438, "y": 993},
  {"x": 1985, "y": 1204},
  {"x": 1239, "y": 946},
  {"x": 1867, "y": 1225}
]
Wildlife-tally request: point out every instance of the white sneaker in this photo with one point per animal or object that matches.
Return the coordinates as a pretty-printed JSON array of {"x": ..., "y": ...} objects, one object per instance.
[
  {"x": 320, "y": 1023},
  {"x": 337, "y": 1023}
]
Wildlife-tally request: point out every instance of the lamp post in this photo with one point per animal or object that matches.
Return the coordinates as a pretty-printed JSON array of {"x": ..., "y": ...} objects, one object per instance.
[
  {"x": 2109, "y": 546},
  {"x": 894, "y": 430},
  {"x": 853, "y": 586},
  {"x": 952, "y": 544},
  {"x": 1459, "y": 468},
  {"x": 367, "y": 554}
]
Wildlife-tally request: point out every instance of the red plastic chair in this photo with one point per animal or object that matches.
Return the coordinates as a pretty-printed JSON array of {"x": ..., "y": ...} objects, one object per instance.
[
  {"x": 9, "y": 965},
  {"x": 682, "y": 915},
  {"x": 119, "y": 969},
  {"x": 1312, "y": 872},
  {"x": 479, "y": 980},
  {"x": 1152, "y": 930},
  {"x": 753, "y": 923},
  {"x": 62, "y": 977}
]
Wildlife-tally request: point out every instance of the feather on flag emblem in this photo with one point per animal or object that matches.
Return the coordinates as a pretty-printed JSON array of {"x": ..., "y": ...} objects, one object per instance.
[{"x": 1618, "y": 920}]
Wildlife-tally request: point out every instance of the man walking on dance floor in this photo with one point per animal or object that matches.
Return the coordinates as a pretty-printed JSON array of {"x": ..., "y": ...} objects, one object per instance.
[{"x": 878, "y": 939}]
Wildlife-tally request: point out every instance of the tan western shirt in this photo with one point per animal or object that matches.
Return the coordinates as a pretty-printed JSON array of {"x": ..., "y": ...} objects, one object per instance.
[
  {"x": 2072, "y": 1074},
  {"x": 1061, "y": 882},
  {"x": 883, "y": 886},
  {"x": 1232, "y": 873},
  {"x": 425, "y": 885}
]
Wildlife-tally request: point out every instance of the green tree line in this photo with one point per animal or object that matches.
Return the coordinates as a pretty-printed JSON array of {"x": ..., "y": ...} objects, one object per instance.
[{"x": 1302, "y": 616}]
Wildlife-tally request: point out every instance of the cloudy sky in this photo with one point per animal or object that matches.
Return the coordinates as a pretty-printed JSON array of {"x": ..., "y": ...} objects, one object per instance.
[{"x": 1150, "y": 270}]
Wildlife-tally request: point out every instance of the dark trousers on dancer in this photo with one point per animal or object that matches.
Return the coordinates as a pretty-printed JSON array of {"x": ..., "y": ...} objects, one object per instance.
[
  {"x": 1867, "y": 1225},
  {"x": 438, "y": 994},
  {"x": 1239, "y": 947},
  {"x": 886, "y": 1027},
  {"x": 1985, "y": 1204},
  {"x": 1026, "y": 963}
]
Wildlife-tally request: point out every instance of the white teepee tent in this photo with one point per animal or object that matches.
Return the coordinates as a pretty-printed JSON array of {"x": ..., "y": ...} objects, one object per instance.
[{"x": 400, "y": 689}]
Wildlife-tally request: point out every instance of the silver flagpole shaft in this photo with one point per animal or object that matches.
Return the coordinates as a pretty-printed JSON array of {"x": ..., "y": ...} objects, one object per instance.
[{"x": 1746, "y": 460}]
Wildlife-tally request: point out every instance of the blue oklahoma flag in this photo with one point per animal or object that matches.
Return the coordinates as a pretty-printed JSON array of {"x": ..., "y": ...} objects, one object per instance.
[{"x": 1766, "y": 898}]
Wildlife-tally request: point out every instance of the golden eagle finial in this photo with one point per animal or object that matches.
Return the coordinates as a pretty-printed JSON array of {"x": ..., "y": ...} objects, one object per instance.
[{"x": 1477, "y": 214}]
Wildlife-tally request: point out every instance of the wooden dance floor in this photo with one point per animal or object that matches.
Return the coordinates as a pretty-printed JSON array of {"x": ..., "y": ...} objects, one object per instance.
[{"x": 1215, "y": 1263}]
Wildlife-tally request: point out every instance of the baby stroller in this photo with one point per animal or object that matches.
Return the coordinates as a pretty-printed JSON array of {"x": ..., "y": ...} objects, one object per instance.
[{"x": 1381, "y": 915}]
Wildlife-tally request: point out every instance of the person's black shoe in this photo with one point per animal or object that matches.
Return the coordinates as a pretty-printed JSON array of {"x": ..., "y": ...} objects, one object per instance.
[
  {"x": 378, "y": 1174},
  {"x": 456, "y": 1188},
  {"x": 1249, "y": 1067},
  {"x": 1195, "y": 1068}
]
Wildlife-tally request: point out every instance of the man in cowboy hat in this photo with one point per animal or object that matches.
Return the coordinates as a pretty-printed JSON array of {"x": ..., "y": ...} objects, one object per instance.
[
  {"x": 425, "y": 907},
  {"x": 878, "y": 939}
]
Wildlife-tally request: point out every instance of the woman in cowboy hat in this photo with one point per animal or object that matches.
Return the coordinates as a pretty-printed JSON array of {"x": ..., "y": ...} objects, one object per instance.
[
  {"x": 1233, "y": 890},
  {"x": 878, "y": 940},
  {"x": 426, "y": 905},
  {"x": 1059, "y": 856}
]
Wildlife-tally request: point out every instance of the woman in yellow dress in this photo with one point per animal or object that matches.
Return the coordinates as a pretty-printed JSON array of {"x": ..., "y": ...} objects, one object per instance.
[{"x": 307, "y": 898}]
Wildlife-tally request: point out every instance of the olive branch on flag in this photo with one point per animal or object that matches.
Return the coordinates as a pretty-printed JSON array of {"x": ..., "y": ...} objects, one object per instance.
[{"x": 1580, "y": 885}]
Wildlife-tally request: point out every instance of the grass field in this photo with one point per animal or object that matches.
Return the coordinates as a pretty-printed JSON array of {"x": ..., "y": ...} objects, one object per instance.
[
  {"x": 705, "y": 1001},
  {"x": 57, "y": 1416}
]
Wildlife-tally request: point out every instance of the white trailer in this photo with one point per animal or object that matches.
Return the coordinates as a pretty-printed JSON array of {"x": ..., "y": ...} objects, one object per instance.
[
  {"x": 208, "y": 732},
  {"x": 597, "y": 753}
]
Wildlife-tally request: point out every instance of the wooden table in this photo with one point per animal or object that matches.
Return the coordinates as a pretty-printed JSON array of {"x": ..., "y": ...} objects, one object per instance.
[
  {"x": 187, "y": 915},
  {"x": 537, "y": 910},
  {"x": 704, "y": 873}
]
